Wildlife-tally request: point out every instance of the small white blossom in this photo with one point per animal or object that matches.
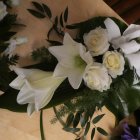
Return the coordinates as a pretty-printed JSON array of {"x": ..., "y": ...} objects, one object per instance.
[
  {"x": 14, "y": 2},
  {"x": 114, "y": 62},
  {"x": 13, "y": 43},
  {"x": 97, "y": 41},
  {"x": 96, "y": 77},
  {"x": 3, "y": 10}
]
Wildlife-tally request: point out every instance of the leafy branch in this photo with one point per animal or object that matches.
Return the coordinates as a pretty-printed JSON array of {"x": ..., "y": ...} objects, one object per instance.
[{"x": 43, "y": 11}]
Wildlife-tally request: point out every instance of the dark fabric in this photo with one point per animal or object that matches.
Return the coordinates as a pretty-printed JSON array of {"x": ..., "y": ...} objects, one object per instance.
[{"x": 129, "y": 10}]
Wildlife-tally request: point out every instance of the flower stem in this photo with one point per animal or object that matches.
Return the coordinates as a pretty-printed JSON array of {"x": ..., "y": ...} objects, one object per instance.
[{"x": 41, "y": 126}]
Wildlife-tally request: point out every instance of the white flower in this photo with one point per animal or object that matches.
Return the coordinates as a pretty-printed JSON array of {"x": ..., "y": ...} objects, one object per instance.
[
  {"x": 72, "y": 60},
  {"x": 125, "y": 41},
  {"x": 114, "y": 62},
  {"x": 3, "y": 11},
  {"x": 134, "y": 61},
  {"x": 36, "y": 87},
  {"x": 13, "y": 43},
  {"x": 14, "y": 2},
  {"x": 1, "y": 92},
  {"x": 97, "y": 41},
  {"x": 96, "y": 77}
]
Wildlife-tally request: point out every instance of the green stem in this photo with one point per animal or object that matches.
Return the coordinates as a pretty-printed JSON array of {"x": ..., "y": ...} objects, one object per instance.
[
  {"x": 59, "y": 118},
  {"x": 41, "y": 126}
]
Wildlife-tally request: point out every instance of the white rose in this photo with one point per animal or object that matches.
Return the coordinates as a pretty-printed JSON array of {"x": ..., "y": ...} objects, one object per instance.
[
  {"x": 114, "y": 62},
  {"x": 3, "y": 11},
  {"x": 96, "y": 77},
  {"x": 97, "y": 41}
]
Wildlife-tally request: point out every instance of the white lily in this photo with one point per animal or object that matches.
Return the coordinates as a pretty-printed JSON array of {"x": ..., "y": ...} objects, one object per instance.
[
  {"x": 72, "y": 60},
  {"x": 36, "y": 87},
  {"x": 1, "y": 92},
  {"x": 125, "y": 41}
]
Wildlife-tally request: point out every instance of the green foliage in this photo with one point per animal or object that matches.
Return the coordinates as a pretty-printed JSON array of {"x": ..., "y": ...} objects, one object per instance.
[
  {"x": 97, "y": 118},
  {"x": 76, "y": 119},
  {"x": 70, "y": 119},
  {"x": 41, "y": 126},
  {"x": 60, "y": 113},
  {"x": 43, "y": 55},
  {"x": 86, "y": 26},
  {"x": 43, "y": 11},
  {"x": 36, "y": 13},
  {"x": 87, "y": 128},
  {"x": 102, "y": 131},
  {"x": 92, "y": 133},
  {"x": 5, "y": 74},
  {"x": 5, "y": 27}
]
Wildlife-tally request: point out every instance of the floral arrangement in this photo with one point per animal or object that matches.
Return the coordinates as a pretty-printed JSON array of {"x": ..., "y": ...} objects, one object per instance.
[{"x": 98, "y": 67}]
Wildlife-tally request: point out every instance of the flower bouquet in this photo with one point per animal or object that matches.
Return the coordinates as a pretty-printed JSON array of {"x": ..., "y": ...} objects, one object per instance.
[{"x": 98, "y": 67}]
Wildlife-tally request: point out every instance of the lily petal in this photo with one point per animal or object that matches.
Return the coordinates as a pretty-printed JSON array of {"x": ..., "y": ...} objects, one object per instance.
[
  {"x": 68, "y": 40},
  {"x": 130, "y": 47},
  {"x": 25, "y": 95},
  {"x": 75, "y": 79},
  {"x": 30, "y": 109},
  {"x": 131, "y": 29},
  {"x": 112, "y": 28},
  {"x": 22, "y": 72},
  {"x": 1, "y": 92},
  {"x": 86, "y": 56},
  {"x": 44, "y": 90},
  {"x": 17, "y": 83},
  {"x": 134, "y": 61},
  {"x": 61, "y": 71}
]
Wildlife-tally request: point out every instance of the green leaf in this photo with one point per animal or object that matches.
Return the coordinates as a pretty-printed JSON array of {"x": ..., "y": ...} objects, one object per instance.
[
  {"x": 61, "y": 20},
  {"x": 102, "y": 131},
  {"x": 54, "y": 43},
  {"x": 56, "y": 21},
  {"x": 87, "y": 128},
  {"x": 49, "y": 32},
  {"x": 72, "y": 130},
  {"x": 84, "y": 119},
  {"x": 69, "y": 119},
  {"x": 97, "y": 118},
  {"x": 36, "y": 13},
  {"x": 66, "y": 15},
  {"x": 47, "y": 10},
  {"x": 132, "y": 99},
  {"x": 76, "y": 119},
  {"x": 38, "y": 6},
  {"x": 92, "y": 133}
]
